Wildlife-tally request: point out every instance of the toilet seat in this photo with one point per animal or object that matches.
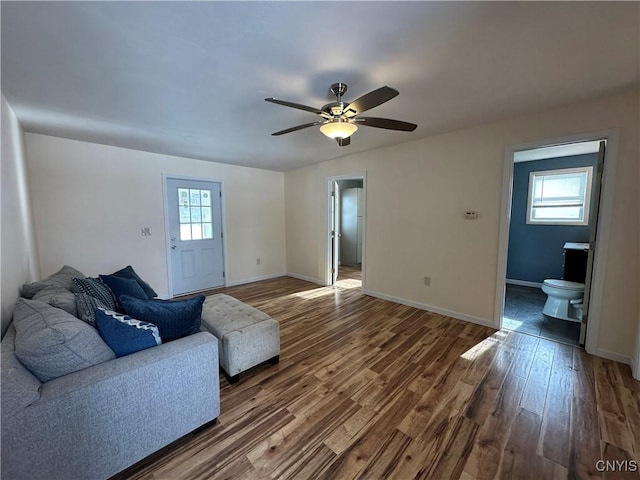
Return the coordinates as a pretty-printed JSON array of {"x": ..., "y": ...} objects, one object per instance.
[{"x": 564, "y": 285}]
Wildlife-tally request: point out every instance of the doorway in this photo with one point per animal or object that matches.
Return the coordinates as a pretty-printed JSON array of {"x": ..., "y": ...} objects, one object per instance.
[
  {"x": 553, "y": 236},
  {"x": 194, "y": 234},
  {"x": 346, "y": 231}
]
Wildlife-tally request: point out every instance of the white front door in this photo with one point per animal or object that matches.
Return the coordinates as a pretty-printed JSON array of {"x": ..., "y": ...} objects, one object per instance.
[{"x": 194, "y": 213}]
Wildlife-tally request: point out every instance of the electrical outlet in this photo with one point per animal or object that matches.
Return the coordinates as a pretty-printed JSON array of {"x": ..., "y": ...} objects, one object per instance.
[
  {"x": 257, "y": 261},
  {"x": 427, "y": 281},
  {"x": 145, "y": 231}
]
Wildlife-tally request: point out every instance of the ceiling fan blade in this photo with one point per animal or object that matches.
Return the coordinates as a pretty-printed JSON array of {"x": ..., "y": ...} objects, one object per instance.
[
  {"x": 370, "y": 100},
  {"x": 343, "y": 142},
  {"x": 386, "y": 123},
  {"x": 295, "y": 105},
  {"x": 298, "y": 127}
]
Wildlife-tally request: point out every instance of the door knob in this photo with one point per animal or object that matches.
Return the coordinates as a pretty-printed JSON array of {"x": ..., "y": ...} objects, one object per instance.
[{"x": 173, "y": 247}]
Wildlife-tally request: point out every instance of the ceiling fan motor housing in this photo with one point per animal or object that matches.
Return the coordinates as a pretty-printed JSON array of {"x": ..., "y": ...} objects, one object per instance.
[{"x": 338, "y": 89}]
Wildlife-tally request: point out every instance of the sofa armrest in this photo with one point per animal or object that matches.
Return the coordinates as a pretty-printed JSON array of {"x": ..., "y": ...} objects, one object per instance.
[{"x": 98, "y": 421}]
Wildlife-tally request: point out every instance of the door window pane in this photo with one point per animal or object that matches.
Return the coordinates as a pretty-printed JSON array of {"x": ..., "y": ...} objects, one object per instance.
[
  {"x": 196, "y": 231},
  {"x": 183, "y": 196},
  {"x": 195, "y": 215},
  {"x": 195, "y": 196},
  {"x": 185, "y": 217},
  {"x": 205, "y": 198},
  {"x": 185, "y": 232},
  {"x": 206, "y": 214},
  {"x": 207, "y": 231}
]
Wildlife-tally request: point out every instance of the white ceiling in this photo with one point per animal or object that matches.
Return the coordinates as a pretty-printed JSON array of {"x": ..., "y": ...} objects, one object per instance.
[{"x": 190, "y": 78}]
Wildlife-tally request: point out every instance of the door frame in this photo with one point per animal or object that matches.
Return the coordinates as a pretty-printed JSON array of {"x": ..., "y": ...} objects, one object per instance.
[
  {"x": 635, "y": 360},
  {"x": 165, "y": 199},
  {"x": 354, "y": 176},
  {"x": 602, "y": 234}
]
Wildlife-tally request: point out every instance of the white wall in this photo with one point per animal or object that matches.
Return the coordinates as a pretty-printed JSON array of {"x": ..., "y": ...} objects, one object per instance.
[
  {"x": 90, "y": 200},
  {"x": 19, "y": 263},
  {"x": 302, "y": 213},
  {"x": 417, "y": 194}
]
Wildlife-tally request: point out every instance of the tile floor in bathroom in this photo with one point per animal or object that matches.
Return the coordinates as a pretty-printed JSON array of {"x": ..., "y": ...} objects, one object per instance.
[{"x": 523, "y": 313}]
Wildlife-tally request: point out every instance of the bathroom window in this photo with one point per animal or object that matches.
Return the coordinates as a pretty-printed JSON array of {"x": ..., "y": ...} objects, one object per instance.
[{"x": 560, "y": 197}]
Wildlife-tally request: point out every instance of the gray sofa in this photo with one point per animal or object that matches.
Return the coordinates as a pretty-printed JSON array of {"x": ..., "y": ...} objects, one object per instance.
[{"x": 95, "y": 422}]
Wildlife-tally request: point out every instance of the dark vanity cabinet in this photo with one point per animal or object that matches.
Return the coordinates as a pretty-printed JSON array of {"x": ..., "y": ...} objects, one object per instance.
[{"x": 575, "y": 262}]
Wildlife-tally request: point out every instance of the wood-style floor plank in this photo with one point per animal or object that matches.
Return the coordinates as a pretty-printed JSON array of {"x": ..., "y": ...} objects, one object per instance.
[{"x": 370, "y": 389}]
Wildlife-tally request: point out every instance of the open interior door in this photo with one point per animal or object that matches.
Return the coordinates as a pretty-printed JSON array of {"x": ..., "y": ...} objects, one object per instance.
[
  {"x": 593, "y": 221},
  {"x": 335, "y": 231}
]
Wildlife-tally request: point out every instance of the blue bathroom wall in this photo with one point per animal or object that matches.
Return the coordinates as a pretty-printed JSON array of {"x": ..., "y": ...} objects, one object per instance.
[{"x": 535, "y": 251}]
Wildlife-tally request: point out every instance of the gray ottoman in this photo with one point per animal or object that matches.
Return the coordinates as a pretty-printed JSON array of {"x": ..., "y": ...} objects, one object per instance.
[{"x": 246, "y": 336}]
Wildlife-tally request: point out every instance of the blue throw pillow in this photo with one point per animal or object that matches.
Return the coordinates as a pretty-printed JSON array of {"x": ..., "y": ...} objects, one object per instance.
[
  {"x": 124, "y": 334},
  {"x": 129, "y": 272},
  {"x": 174, "y": 318},
  {"x": 123, "y": 286}
]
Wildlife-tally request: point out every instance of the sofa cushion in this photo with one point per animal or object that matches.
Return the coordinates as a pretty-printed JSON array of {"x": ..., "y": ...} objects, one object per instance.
[
  {"x": 20, "y": 388},
  {"x": 123, "y": 286},
  {"x": 174, "y": 318},
  {"x": 124, "y": 334},
  {"x": 129, "y": 272},
  {"x": 62, "y": 279},
  {"x": 52, "y": 343},
  {"x": 95, "y": 288},
  {"x": 58, "y": 297}
]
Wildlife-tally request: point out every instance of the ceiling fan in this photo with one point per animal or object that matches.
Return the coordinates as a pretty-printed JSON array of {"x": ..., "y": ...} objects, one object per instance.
[{"x": 340, "y": 119}]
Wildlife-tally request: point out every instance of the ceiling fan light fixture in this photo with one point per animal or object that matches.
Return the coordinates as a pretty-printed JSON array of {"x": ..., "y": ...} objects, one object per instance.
[{"x": 338, "y": 129}]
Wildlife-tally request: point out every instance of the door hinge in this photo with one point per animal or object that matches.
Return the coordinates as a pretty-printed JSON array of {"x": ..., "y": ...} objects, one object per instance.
[
  {"x": 223, "y": 274},
  {"x": 333, "y": 194},
  {"x": 221, "y": 234},
  {"x": 220, "y": 193}
]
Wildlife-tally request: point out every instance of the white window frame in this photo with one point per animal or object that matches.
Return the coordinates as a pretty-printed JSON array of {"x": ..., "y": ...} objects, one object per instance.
[{"x": 561, "y": 221}]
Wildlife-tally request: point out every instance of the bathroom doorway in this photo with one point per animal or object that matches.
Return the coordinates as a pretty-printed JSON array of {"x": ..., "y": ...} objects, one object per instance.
[
  {"x": 550, "y": 246},
  {"x": 346, "y": 231}
]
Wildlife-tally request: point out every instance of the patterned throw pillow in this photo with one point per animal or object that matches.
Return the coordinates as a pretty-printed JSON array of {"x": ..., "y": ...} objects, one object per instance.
[
  {"x": 86, "y": 306},
  {"x": 125, "y": 335},
  {"x": 95, "y": 288},
  {"x": 174, "y": 318}
]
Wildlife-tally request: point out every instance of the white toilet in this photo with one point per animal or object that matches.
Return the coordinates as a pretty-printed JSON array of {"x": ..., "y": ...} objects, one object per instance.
[{"x": 564, "y": 299}]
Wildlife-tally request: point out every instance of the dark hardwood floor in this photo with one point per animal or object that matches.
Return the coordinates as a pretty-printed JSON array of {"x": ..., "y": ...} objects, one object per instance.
[{"x": 371, "y": 389}]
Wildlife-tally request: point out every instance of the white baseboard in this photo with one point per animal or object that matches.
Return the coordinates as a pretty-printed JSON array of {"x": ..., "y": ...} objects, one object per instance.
[
  {"x": 305, "y": 278},
  {"x": 431, "y": 308},
  {"x": 616, "y": 357},
  {"x": 523, "y": 283},
  {"x": 635, "y": 369},
  {"x": 255, "y": 279}
]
